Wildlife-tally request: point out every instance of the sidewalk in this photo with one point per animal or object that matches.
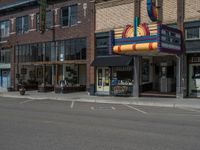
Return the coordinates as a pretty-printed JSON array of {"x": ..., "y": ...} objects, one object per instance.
[{"x": 84, "y": 97}]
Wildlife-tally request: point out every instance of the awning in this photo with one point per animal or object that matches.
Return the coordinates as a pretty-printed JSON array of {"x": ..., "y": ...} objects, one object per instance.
[{"x": 112, "y": 61}]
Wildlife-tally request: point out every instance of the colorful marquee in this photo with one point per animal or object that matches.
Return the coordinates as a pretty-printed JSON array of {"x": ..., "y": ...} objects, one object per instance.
[{"x": 153, "y": 39}]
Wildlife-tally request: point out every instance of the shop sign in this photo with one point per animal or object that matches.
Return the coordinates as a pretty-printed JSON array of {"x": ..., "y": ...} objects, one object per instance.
[
  {"x": 170, "y": 39},
  {"x": 4, "y": 66}
]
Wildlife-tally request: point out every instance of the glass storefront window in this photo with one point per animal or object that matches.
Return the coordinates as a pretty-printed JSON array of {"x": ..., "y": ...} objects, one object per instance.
[
  {"x": 47, "y": 51},
  {"x": 145, "y": 70},
  {"x": 122, "y": 81},
  {"x": 72, "y": 49}
]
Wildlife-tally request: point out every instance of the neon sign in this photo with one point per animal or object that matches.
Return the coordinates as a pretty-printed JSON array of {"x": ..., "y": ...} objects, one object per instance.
[{"x": 152, "y": 10}]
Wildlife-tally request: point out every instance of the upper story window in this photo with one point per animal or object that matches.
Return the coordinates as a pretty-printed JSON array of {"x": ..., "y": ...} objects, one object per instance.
[
  {"x": 5, "y": 56},
  {"x": 22, "y": 24},
  {"x": 49, "y": 20},
  {"x": 69, "y": 15},
  {"x": 4, "y": 28},
  {"x": 102, "y": 44},
  {"x": 192, "y": 33}
]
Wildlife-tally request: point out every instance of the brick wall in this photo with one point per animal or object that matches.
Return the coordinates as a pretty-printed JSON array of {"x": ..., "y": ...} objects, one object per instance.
[
  {"x": 85, "y": 28},
  {"x": 169, "y": 11},
  {"x": 114, "y": 14},
  {"x": 192, "y": 10}
]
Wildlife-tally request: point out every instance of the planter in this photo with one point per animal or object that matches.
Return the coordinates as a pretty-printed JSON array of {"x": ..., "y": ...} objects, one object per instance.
[{"x": 22, "y": 91}]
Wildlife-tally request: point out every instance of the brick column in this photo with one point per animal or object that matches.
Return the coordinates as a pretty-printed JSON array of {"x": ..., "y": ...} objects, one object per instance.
[{"x": 91, "y": 50}]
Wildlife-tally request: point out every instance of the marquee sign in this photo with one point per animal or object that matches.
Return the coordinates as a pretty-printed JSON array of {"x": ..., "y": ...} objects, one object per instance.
[
  {"x": 170, "y": 39},
  {"x": 155, "y": 39},
  {"x": 150, "y": 39}
]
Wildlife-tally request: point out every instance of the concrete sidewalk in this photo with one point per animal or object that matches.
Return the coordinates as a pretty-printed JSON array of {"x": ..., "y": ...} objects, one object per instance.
[{"x": 85, "y": 97}]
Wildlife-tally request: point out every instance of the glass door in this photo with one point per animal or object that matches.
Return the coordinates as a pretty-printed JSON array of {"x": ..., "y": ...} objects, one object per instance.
[
  {"x": 103, "y": 80},
  {"x": 194, "y": 80}
]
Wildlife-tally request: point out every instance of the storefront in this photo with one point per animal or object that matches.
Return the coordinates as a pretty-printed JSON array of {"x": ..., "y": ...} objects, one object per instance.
[
  {"x": 194, "y": 76},
  {"x": 114, "y": 75},
  {"x": 5, "y": 66},
  {"x": 44, "y": 66},
  {"x": 157, "y": 50},
  {"x": 158, "y": 76},
  {"x": 5, "y": 76}
]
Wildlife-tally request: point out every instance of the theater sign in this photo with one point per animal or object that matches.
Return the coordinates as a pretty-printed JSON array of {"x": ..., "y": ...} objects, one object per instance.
[{"x": 152, "y": 39}]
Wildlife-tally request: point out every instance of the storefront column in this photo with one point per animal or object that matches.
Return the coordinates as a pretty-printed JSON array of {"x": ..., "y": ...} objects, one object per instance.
[
  {"x": 136, "y": 76},
  {"x": 181, "y": 77}
]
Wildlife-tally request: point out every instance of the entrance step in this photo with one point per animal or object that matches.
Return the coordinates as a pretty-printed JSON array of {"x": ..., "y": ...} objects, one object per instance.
[{"x": 158, "y": 94}]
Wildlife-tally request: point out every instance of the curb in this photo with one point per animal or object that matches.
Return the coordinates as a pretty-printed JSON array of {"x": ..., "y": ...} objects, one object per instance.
[{"x": 129, "y": 102}]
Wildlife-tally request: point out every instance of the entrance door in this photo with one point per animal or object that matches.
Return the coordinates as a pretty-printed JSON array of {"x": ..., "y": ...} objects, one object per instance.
[
  {"x": 5, "y": 78},
  {"x": 194, "y": 80},
  {"x": 103, "y": 81}
]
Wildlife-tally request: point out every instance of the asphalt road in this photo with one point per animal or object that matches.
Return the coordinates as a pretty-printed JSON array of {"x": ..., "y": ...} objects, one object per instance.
[{"x": 59, "y": 125}]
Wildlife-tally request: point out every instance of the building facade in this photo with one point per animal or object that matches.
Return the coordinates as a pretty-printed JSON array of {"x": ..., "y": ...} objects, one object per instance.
[
  {"x": 62, "y": 54},
  {"x": 173, "y": 73}
]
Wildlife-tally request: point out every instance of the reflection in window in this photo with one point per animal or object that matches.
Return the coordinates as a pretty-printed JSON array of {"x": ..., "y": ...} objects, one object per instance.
[
  {"x": 69, "y": 15},
  {"x": 145, "y": 70},
  {"x": 4, "y": 28},
  {"x": 5, "y": 56},
  {"x": 22, "y": 24},
  {"x": 49, "y": 20}
]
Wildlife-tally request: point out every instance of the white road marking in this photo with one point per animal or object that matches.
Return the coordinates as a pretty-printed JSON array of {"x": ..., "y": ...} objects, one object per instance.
[
  {"x": 72, "y": 105},
  {"x": 189, "y": 109},
  {"x": 113, "y": 108},
  {"x": 92, "y": 108},
  {"x": 135, "y": 109},
  {"x": 27, "y": 101}
]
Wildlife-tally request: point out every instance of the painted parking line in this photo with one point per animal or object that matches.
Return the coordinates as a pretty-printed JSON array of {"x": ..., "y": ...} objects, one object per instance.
[
  {"x": 27, "y": 101},
  {"x": 139, "y": 110},
  {"x": 72, "y": 104},
  {"x": 113, "y": 108}
]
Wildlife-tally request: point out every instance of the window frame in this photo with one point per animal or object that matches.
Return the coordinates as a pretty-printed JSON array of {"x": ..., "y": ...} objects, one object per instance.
[
  {"x": 8, "y": 28},
  {"x": 186, "y": 36},
  {"x": 22, "y": 24},
  {"x": 69, "y": 16}
]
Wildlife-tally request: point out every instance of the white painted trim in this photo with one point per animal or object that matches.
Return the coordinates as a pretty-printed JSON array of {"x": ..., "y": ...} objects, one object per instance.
[
  {"x": 3, "y": 42},
  {"x": 12, "y": 33},
  {"x": 32, "y": 30}
]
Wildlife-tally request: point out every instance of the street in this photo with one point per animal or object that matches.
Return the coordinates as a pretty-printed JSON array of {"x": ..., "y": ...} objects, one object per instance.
[{"x": 28, "y": 124}]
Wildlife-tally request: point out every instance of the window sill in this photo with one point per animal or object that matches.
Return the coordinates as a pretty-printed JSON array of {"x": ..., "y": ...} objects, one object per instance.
[
  {"x": 68, "y": 26},
  {"x": 192, "y": 39}
]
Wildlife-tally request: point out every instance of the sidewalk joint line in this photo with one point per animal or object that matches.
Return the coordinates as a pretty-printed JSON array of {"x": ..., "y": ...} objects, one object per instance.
[{"x": 72, "y": 105}]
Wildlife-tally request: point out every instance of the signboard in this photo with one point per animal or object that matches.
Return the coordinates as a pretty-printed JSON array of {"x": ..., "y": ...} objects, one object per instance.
[
  {"x": 4, "y": 66},
  {"x": 42, "y": 16},
  {"x": 170, "y": 40}
]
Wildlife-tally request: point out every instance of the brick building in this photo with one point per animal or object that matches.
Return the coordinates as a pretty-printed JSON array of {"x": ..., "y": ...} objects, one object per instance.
[
  {"x": 61, "y": 55},
  {"x": 164, "y": 74}
]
